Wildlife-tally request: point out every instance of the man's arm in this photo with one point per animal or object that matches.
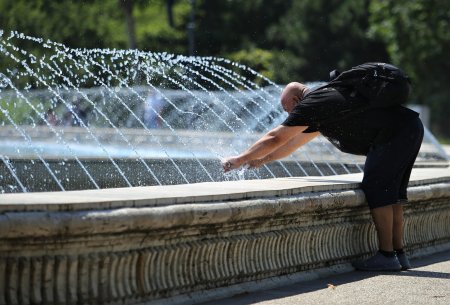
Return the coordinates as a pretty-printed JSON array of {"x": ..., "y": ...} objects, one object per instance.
[
  {"x": 285, "y": 150},
  {"x": 269, "y": 143}
]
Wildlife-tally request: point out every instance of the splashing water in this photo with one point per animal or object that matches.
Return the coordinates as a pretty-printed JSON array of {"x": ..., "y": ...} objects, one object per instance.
[
  {"x": 97, "y": 118},
  {"x": 237, "y": 174}
]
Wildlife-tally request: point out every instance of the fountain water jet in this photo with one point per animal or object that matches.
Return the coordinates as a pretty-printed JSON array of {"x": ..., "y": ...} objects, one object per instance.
[{"x": 212, "y": 108}]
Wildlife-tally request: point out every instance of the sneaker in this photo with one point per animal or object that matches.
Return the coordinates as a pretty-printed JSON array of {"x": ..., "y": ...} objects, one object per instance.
[
  {"x": 379, "y": 262},
  {"x": 403, "y": 260}
]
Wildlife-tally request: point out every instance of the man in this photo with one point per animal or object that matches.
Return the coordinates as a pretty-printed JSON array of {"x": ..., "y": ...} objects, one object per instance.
[{"x": 390, "y": 137}]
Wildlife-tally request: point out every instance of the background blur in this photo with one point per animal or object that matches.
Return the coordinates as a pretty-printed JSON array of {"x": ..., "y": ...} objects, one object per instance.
[{"x": 285, "y": 40}]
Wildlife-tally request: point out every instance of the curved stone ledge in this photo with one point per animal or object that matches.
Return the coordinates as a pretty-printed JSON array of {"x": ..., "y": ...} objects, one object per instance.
[
  {"x": 121, "y": 220},
  {"x": 123, "y": 252},
  {"x": 206, "y": 192}
]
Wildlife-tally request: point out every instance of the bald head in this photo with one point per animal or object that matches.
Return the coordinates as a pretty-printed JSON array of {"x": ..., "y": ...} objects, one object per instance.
[{"x": 291, "y": 95}]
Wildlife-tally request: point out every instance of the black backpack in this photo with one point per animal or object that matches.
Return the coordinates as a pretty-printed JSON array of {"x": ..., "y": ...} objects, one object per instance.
[{"x": 383, "y": 85}]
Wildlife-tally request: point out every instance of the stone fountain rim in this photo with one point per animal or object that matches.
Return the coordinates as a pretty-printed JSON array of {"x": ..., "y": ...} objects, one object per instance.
[{"x": 204, "y": 193}]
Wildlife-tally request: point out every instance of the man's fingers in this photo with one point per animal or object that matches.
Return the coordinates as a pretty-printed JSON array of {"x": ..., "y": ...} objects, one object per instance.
[
  {"x": 230, "y": 164},
  {"x": 227, "y": 166}
]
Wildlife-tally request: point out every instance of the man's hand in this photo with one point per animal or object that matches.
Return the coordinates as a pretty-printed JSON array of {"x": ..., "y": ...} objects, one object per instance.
[{"x": 231, "y": 163}]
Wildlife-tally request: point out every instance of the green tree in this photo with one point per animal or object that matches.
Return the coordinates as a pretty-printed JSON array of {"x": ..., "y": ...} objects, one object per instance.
[
  {"x": 237, "y": 30},
  {"x": 99, "y": 23},
  {"x": 154, "y": 31},
  {"x": 127, "y": 8},
  {"x": 258, "y": 59},
  {"x": 313, "y": 37},
  {"x": 224, "y": 27},
  {"x": 93, "y": 24},
  {"x": 417, "y": 34}
]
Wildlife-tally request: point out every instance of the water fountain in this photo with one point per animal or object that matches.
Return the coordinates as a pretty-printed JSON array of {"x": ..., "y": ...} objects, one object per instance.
[
  {"x": 79, "y": 119},
  {"x": 76, "y": 119}
]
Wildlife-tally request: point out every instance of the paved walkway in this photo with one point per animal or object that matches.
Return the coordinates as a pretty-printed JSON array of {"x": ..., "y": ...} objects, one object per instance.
[{"x": 428, "y": 283}]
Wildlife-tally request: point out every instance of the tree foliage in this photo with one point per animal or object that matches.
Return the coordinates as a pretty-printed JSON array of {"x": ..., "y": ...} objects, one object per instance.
[
  {"x": 320, "y": 35},
  {"x": 417, "y": 36},
  {"x": 94, "y": 25}
]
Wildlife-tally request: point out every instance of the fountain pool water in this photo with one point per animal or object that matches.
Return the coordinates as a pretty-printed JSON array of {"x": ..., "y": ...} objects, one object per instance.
[{"x": 82, "y": 119}]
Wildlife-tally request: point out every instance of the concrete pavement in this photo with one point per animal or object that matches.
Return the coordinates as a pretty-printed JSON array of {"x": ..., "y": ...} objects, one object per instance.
[{"x": 428, "y": 283}]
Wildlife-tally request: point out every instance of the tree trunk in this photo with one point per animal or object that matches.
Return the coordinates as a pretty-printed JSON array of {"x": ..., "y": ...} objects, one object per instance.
[{"x": 127, "y": 7}]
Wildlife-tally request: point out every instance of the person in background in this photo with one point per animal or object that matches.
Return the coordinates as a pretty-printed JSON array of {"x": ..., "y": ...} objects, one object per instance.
[
  {"x": 152, "y": 110},
  {"x": 51, "y": 118}
]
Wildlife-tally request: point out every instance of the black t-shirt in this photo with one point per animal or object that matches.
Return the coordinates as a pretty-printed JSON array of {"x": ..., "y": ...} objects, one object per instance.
[{"x": 327, "y": 110}]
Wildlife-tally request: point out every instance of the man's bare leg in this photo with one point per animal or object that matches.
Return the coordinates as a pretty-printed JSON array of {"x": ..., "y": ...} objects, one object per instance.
[
  {"x": 385, "y": 259},
  {"x": 397, "y": 231},
  {"x": 384, "y": 224},
  {"x": 398, "y": 236}
]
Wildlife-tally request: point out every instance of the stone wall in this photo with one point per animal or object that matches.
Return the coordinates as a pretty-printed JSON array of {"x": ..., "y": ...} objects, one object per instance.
[{"x": 131, "y": 252}]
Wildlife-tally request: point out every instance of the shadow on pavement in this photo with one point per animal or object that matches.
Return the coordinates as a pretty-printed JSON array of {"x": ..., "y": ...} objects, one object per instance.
[
  {"x": 334, "y": 280},
  {"x": 420, "y": 273}
]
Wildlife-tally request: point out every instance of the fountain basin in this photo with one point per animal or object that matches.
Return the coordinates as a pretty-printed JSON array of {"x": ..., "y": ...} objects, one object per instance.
[
  {"x": 193, "y": 160},
  {"x": 187, "y": 243}
]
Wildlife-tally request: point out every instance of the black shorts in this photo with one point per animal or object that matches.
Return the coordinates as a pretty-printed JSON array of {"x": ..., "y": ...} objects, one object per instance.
[{"x": 388, "y": 166}]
